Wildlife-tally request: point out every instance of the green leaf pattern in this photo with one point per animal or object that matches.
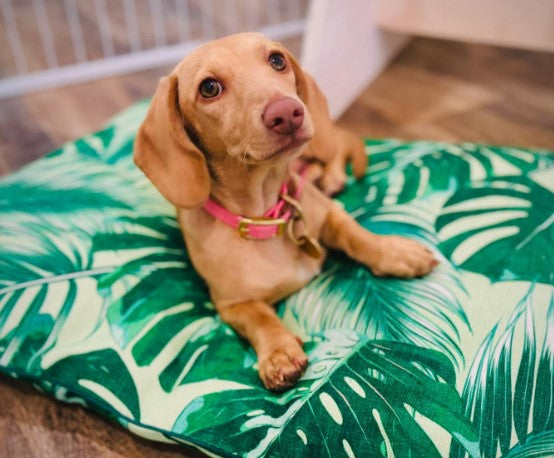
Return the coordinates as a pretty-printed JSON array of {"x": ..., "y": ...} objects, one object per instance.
[{"x": 100, "y": 306}]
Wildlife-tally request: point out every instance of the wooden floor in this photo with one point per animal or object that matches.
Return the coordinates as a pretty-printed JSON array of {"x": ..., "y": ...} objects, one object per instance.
[
  {"x": 450, "y": 91},
  {"x": 434, "y": 90}
]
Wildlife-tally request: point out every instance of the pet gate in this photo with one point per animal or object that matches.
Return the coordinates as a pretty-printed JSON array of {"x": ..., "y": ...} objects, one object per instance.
[{"x": 46, "y": 43}]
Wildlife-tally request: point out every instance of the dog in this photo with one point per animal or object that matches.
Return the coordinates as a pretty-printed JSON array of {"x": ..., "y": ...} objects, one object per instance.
[{"x": 239, "y": 138}]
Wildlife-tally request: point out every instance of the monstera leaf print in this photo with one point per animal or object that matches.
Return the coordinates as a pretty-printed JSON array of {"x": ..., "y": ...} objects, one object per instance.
[
  {"x": 358, "y": 395},
  {"x": 157, "y": 277},
  {"x": 502, "y": 228},
  {"x": 509, "y": 393},
  {"x": 404, "y": 172}
]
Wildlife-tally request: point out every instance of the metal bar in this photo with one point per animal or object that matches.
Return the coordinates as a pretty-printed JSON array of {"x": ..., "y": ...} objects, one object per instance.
[
  {"x": 183, "y": 20},
  {"x": 132, "y": 25},
  {"x": 273, "y": 13},
  {"x": 104, "y": 27},
  {"x": 207, "y": 21},
  {"x": 86, "y": 71},
  {"x": 252, "y": 15},
  {"x": 231, "y": 16},
  {"x": 94, "y": 69},
  {"x": 284, "y": 30},
  {"x": 158, "y": 22},
  {"x": 75, "y": 30},
  {"x": 295, "y": 10},
  {"x": 13, "y": 36},
  {"x": 45, "y": 33}
]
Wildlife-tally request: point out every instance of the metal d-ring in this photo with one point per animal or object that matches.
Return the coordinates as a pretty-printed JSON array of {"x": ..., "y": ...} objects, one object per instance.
[{"x": 297, "y": 215}]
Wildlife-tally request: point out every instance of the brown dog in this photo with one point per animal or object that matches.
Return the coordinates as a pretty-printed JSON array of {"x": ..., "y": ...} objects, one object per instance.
[{"x": 227, "y": 125}]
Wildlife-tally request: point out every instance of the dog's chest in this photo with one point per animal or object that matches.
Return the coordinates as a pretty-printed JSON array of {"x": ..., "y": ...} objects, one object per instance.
[
  {"x": 277, "y": 273},
  {"x": 238, "y": 270}
]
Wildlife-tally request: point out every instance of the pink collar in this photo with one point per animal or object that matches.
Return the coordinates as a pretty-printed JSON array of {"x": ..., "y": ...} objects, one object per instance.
[{"x": 273, "y": 222}]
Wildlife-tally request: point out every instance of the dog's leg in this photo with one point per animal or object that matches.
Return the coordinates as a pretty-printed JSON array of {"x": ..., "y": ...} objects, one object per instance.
[
  {"x": 382, "y": 254},
  {"x": 281, "y": 360},
  {"x": 349, "y": 148}
]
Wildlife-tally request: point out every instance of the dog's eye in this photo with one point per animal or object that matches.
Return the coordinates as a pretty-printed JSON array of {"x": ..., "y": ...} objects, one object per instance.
[
  {"x": 210, "y": 88},
  {"x": 277, "y": 61}
]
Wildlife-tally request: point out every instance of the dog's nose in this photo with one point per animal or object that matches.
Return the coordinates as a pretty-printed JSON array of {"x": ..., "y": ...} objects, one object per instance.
[{"x": 284, "y": 116}]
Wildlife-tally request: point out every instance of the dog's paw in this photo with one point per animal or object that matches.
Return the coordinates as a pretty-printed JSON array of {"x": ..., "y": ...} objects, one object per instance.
[
  {"x": 282, "y": 366},
  {"x": 332, "y": 181},
  {"x": 401, "y": 257}
]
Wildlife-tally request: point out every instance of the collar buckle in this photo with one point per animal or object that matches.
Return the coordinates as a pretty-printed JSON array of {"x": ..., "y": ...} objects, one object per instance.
[{"x": 245, "y": 227}]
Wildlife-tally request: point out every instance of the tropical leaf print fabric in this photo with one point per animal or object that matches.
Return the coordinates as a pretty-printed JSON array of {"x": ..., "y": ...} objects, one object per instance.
[{"x": 100, "y": 306}]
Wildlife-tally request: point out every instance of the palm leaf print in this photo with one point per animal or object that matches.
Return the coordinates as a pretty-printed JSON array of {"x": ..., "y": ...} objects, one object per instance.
[
  {"x": 508, "y": 397},
  {"x": 346, "y": 295},
  {"x": 538, "y": 445},
  {"x": 46, "y": 247}
]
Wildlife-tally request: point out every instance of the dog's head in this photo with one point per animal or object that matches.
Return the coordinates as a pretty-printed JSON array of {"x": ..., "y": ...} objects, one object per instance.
[{"x": 242, "y": 97}]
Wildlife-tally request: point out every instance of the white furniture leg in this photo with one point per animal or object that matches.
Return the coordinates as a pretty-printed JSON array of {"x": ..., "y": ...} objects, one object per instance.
[{"x": 344, "y": 50}]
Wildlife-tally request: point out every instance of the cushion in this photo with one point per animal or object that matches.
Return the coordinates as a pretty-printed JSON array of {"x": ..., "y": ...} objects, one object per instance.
[{"x": 100, "y": 306}]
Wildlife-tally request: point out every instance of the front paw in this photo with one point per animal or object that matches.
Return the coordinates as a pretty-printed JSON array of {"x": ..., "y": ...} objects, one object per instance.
[
  {"x": 281, "y": 366},
  {"x": 332, "y": 181},
  {"x": 400, "y": 257}
]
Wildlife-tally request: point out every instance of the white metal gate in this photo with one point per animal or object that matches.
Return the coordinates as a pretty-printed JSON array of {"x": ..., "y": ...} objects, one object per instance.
[{"x": 46, "y": 43}]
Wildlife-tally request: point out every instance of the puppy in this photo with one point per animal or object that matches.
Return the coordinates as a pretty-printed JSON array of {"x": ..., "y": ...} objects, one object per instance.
[{"x": 226, "y": 140}]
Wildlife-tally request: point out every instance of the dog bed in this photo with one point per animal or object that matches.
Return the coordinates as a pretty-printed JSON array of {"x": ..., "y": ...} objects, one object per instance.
[{"x": 99, "y": 306}]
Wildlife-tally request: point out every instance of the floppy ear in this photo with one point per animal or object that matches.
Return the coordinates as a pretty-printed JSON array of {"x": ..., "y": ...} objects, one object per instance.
[
  {"x": 331, "y": 145},
  {"x": 323, "y": 143},
  {"x": 166, "y": 154},
  {"x": 302, "y": 88}
]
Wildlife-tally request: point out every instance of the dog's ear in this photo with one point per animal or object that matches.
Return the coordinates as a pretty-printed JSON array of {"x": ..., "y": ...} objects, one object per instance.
[
  {"x": 329, "y": 144},
  {"x": 323, "y": 142},
  {"x": 164, "y": 151},
  {"x": 302, "y": 84}
]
